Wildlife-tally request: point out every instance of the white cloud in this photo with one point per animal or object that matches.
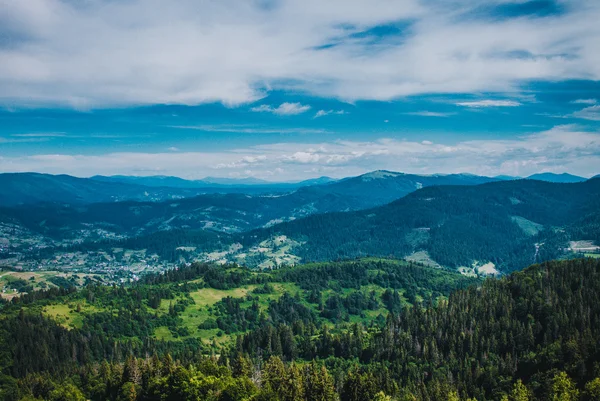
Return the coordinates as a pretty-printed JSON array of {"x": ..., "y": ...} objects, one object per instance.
[
  {"x": 589, "y": 113},
  {"x": 40, "y": 135},
  {"x": 563, "y": 148},
  {"x": 173, "y": 149},
  {"x": 430, "y": 114},
  {"x": 323, "y": 113},
  {"x": 284, "y": 109},
  {"x": 489, "y": 103},
  {"x": 243, "y": 162},
  {"x": 251, "y": 129},
  {"x": 106, "y": 53},
  {"x": 584, "y": 101}
]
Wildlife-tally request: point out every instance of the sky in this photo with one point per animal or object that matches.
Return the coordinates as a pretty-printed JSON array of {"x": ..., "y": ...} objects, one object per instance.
[{"x": 287, "y": 90}]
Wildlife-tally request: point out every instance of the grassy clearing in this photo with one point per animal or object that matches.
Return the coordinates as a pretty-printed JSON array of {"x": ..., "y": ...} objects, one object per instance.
[
  {"x": 205, "y": 299},
  {"x": 423, "y": 258},
  {"x": 529, "y": 227},
  {"x": 66, "y": 314},
  {"x": 38, "y": 280},
  {"x": 197, "y": 313},
  {"x": 163, "y": 333},
  {"x": 210, "y": 296}
]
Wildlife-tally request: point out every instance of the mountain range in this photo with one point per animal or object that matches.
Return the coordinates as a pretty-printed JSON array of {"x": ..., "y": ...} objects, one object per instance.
[
  {"x": 211, "y": 183},
  {"x": 455, "y": 220},
  {"x": 551, "y": 177},
  {"x": 380, "y": 186},
  {"x": 509, "y": 223},
  {"x": 73, "y": 210}
]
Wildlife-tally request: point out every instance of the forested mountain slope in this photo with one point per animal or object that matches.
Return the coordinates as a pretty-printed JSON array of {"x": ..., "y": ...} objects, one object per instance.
[
  {"x": 497, "y": 222},
  {"x": 228, "y": 212},
  {"x": 218, "y": 212},
  {"x": 381, "y": 187},
  {"x": 32, "y": 188},
  {"x": 529, "y": 336},
  {"x": 365, "y": 191},
  {"x": 552, "y": 177}
]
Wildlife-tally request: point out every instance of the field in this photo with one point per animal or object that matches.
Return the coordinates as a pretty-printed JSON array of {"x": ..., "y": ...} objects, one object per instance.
[
  {"x": 12, "y": 283},
  {"x": 69, "y": 315},
  {"x": 202, "y": 309}
]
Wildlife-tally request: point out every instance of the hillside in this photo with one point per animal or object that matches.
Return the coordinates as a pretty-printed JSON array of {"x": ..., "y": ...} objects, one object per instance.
[
  {"x": 33, "y": 188},
  {"x": 552, "y": 177},
  {"x": 227, "y": 212},
  {"x": 315, "y": 332},
  {"x": 219, "y": 212},
  {"x": 381, "y": 187},
  {"x": 486, "y": 228},
  {"x": 483, "y": 229},
  {"x": 373, "y": 189},
  {"x": 496, "y": 222}
]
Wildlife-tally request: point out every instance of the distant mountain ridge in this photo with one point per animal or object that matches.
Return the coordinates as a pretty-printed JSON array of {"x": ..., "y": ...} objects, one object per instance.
[
  {"x": 367, "y": 190},
  {"x": 32, "y": 188},
  {"x": 553, "y": 177},
  {"x": 503, "y": 224},
  {"x": 227, "y": 212},
  {"x": 381, "y": 186},
  {"x": 213, "y": 183},
  {"x": 373, "y": 188},
  {"x": 72, "y": 216}
]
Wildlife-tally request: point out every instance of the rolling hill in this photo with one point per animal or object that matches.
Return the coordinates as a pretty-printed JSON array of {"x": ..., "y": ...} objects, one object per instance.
[
  {"x": 510, "y": 224},
  {"x": 75, "y": 204},
  {"x": 381, "y": 186},
  {"x": 34, "y": 188},
  {"x": 368, "y": 190},
  {"x": 498, "y": 225},
  {"x": 552, "y": 177}
]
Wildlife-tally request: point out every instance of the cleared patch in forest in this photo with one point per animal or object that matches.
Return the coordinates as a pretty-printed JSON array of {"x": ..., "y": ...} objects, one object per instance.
[{"x": 529, "y": 227}]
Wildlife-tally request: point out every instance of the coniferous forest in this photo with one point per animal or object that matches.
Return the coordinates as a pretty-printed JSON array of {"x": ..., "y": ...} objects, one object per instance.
[{"x": 357, "y": 330}]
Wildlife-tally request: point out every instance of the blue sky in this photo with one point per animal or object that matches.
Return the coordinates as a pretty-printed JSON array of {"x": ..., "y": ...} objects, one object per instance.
[{"x": 288, "y": 90}]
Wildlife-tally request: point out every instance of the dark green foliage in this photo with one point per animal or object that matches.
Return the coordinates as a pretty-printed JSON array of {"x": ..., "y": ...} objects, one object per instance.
[
  {"x": 532, "y": 335},
  {"x": 383, "y": 273},
  {"x": 20, "y": 285},
  {"x": 214, "y": 276},
  {"x": 62, "y": 282},
  {"x": 232, "y": 317}
]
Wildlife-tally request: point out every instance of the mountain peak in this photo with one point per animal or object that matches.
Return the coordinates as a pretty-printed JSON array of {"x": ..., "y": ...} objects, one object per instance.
[
  {"x": 378, "y": 174},
  {"x": 555, "y": 177}
]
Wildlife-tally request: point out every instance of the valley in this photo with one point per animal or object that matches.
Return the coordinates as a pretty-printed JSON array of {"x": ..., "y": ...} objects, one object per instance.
[{"x": 504, "y": 225}]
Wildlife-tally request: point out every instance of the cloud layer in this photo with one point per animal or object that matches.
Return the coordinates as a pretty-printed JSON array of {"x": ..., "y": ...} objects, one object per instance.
[
  {"x": 489, "y": 103},
  {"x": 102, "y": 53},
  {"x": 563, "y": 148}
]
